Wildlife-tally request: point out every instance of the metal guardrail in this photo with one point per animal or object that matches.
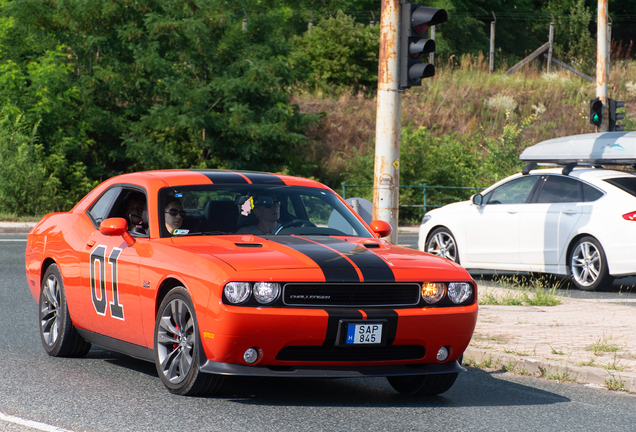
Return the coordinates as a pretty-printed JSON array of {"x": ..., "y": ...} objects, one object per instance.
[{"x": 424, "y": 188}]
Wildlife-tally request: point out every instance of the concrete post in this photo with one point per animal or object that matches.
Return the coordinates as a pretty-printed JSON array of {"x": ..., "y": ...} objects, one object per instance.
[
  {"x": 602, "y": 55},
  {"x": 491, "y": 66},
  {"x": 386, "y": 178}
]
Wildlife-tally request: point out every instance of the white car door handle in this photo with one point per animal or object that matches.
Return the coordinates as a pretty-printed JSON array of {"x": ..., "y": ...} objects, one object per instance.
[
  {"x": 570, "y": 212},
  {"x": 512, "y": 212}
]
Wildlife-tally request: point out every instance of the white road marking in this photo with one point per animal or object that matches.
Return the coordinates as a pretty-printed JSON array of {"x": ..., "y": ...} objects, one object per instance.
[{"x": 32, "y": 424}]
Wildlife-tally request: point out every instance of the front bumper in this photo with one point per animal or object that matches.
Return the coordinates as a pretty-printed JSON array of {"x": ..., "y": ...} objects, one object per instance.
[
  {"x": 330, "y": 372},
  {"x": 303, "y": 341}
]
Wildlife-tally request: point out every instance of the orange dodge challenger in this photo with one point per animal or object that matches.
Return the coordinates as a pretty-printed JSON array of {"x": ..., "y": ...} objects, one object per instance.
[{"x": 216, "y": 273}]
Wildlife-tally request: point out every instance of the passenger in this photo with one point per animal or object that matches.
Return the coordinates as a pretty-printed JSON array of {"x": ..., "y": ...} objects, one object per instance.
[
  {"x": 174, "y": 214},
  {"x": 267, "y": 210},
  {"x": 135, "y": 208}
]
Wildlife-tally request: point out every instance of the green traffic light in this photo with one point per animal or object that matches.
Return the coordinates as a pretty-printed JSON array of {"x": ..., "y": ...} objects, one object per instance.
[{"x": 596, "y": 117}]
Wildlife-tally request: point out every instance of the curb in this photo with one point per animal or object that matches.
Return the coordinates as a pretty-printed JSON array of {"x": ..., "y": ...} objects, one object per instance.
[
  {"x": 558, "y": 371},
  {"x": 16, "y": 227}
]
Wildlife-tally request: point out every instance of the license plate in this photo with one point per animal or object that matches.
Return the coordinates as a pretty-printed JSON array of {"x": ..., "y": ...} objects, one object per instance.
[{"x": 364, "y": 334}]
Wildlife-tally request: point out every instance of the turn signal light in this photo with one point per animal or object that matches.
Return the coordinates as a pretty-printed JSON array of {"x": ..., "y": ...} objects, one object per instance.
[{"x": 432, "y": 292}]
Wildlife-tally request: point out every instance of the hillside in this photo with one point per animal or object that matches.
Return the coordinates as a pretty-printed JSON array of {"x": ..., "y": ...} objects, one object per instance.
[{"x": 467, "y": 99}]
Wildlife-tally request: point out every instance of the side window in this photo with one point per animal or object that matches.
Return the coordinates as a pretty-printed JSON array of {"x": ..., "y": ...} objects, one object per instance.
[
  {"x": 513, "y": 192},
  {"x": 560, "y": 189},
  {"x": 590, "y": 193},
  {"x": 99, "y": 210},
  {"x": 132, "y": 206}
]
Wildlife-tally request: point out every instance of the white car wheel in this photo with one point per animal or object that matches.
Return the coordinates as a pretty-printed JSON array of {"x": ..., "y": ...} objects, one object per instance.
[
  {"x": 442, "y": 243},
  {"x": 588, "y": 265}
]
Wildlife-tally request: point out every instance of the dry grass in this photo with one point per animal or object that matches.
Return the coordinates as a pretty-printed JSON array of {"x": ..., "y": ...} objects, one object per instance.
[{"x": 464, "y": 98}]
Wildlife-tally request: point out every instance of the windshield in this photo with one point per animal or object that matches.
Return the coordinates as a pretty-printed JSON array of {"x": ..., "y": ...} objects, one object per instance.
[{"x": 255, "y": 209}]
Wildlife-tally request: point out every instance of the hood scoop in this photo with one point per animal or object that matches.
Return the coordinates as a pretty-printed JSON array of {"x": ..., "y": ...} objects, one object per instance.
[{"x": 249, "y": 245}]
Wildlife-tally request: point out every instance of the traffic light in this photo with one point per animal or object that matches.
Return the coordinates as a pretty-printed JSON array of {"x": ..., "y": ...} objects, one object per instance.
[
  {"x": 613, "y": 117},
  {"x": 596, "y": 112},
  {"x": 415, "y": 22}
]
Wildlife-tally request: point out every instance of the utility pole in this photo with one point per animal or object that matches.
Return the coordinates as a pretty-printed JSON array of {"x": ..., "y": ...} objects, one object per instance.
[
  {"x": 386, "y": 176},
  {"x": 602, "y": 63}
]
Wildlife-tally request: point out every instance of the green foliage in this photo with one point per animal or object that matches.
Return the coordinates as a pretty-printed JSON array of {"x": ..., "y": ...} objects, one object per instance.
[
  {"x": 23, "y": 178},
  {"x": 339, "y": 53},
  {"x": 573, "y": 42},
  {"x": 502, "y": 159}
]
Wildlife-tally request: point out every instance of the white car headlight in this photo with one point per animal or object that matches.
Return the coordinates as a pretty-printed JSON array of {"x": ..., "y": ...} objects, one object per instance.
[
  {"x": 426, "y": 218},
  {"x": 432, "y": 292},
  {"x": 459, "y": 292},
  {"x": 237, "y": 292},
  {"x": 266, "y": 292}
]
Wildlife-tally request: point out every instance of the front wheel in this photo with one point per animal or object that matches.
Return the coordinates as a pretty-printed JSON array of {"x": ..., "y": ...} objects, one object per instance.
[
  {"x": 177, "y": 347},
  {"x": 442, "y": 243},
  {"x": 588, "y": 265},
  {"x": 57, "y": 332},
  {"x": 423, "y": 385}
]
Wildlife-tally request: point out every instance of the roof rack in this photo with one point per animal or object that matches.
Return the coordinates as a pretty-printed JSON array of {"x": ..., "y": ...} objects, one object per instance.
[{"x": 567, "y": 169}]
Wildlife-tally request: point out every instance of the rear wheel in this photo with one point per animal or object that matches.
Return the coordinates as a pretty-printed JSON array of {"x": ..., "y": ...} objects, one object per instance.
[
  {"x": 177, "y": 347},
  {"x": 57, "y": 332},
  {"x": 588, "y": 265},
  {"x": 423, "y": 385},
  {"x": 442, "y": 243}
]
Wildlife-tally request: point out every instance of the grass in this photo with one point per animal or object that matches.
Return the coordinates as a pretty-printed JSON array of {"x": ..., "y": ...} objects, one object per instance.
[
  {"x": 556, "y": 352},
  {"x": 561, "y": 377},
  {"x": 615, "y": 384},
  {"x": 534, "y": 291},
  {"x": 603, "y": 345},
  {"x": 10, "y": 217}
]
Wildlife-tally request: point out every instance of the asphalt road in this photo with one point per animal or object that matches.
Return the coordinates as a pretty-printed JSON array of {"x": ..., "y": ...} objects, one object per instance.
[{"x": 106, "y": 391}]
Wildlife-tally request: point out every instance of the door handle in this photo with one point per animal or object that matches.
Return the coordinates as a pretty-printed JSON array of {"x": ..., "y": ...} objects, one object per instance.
[
  {"x": 512, "y": 212},
  {"x": 569, "y": 212}
]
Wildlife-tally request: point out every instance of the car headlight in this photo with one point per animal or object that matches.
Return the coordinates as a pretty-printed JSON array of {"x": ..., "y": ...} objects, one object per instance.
[
  {"x": 237, "y": 292},
  {"x": 426, "y": 218},
  {"x": 459, "y": 292},
  {"x": 266, "y": 292},
  {"x": 432, "y": 292}
]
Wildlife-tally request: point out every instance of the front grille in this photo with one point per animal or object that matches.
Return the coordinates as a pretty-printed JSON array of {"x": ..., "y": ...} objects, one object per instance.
[
  {"x": 351, "y": 295},
  {"x": 337, "y": 354}
]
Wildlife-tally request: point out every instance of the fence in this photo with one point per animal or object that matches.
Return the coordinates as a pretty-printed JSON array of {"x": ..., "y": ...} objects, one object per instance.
[{"x": 437, "y": 200}]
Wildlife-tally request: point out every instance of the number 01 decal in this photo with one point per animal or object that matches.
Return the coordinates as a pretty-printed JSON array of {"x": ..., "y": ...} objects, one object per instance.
[{"x": 99, "y": 294}]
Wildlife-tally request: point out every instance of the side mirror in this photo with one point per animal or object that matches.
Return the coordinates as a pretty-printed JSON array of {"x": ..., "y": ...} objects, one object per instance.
[
  {"x": 477, "y": 199},
  {"x": 116, "y": 227},
  {"x": 381, "y": 228}
]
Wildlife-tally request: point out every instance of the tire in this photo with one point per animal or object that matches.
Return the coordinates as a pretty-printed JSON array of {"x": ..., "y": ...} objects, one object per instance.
[
  {"x": 57, "y": 332},
  {"x": 177, "y": 346},
  {"x": 442, "y": 243},
  {"x": 588, "y": 265},
  {"x": 423, "y": 385}
]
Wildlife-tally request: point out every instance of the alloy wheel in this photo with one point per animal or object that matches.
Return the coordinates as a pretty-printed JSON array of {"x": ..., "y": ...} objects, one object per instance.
[
  {"x": 49, "y": 310},
  {"x": 586, "y": 264},
  {"x": 175, "y": 341},
  {"x": 443, "y": 244}
]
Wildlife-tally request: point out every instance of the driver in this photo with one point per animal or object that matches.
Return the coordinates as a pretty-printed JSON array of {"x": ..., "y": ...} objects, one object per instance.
[
  {"x": 267, "y": 210},
  {"x": 135, "y": 208}
]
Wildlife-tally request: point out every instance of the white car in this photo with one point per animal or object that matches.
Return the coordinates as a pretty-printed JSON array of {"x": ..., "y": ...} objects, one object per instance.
[{"x": 564, "y": 221}]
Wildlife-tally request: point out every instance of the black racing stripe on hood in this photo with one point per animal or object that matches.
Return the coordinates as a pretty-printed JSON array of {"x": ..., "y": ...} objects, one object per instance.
[
  {"x": 334, "y": 266},
  {"x": 373, "y": 268},
  {"x": 335, "y": 315},
  {"x": 386, "y": 314},
  {"x": 226, "y": 177},
  {"x": 263, "y": 178}
]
